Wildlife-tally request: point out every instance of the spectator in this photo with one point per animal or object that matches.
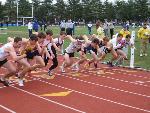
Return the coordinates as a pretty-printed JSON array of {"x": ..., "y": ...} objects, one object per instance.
[
  {"x": 30, "y": 28},
  {"x": 69, "y": 27},
  {"x": 45, "y": 25},
  {"x": 89, "y": 27},
  {"x": 36, "y": 26},
  {"x": 62, "y": 25},
  {"x": 125, "y": 31},
  {"x": 111, "y": 27},
  {"x": 105, "y": 26},
  {"x": 100, "y": 30},
  {"x": 144, "y": 34},
  {"x": 1, "y": 24},
  {"x": 7, "y": 23}
]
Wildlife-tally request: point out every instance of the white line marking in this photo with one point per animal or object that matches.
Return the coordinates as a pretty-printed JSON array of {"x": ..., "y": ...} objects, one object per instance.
[
  {"x": 125, "y": 91},
  {"x": 93, "y": 96},
  {"x": 11, "y": 111},
  {"x": 49, "y": 100}
]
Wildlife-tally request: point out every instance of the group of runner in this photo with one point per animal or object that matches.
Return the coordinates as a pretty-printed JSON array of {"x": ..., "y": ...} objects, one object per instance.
[{"x": 42, "y": 47}]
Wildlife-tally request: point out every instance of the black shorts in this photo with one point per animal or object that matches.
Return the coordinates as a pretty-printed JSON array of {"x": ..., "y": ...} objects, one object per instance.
[
  {"x": 106, "y": 50},
  {"x": 118, "y": 49},
  {"x": 31, "y": 54},
  {"x": 90, "y": 48},
  {"x": 3, "y": 62},
  {"x": 70, "y": 54},
  {"x": 84, "y": 50}
]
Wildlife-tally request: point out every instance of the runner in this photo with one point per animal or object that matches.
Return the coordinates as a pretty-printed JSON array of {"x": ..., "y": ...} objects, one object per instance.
[{"x": 9, "y": 50}]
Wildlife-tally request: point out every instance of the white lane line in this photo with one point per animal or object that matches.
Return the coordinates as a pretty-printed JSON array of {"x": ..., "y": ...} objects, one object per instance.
[
  {"x": 125, "y": 91},
  {"x": 138, "y": 84},
  {"x": 65, "y": 106},
  {"x": 133, "y": 75},
  {"x": 126, "y": 73},
  {"x": 93, "y": 96},
  {"x": 11, "y": 111}
]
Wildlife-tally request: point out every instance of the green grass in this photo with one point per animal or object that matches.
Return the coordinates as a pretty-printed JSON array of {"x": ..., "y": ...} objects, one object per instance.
[{"x": 22, "y": 31}]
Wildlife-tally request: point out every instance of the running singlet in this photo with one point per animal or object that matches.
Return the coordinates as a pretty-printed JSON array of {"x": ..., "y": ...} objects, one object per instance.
[
  {"x": 3, "y": 53},
  {"x": 73, "y": 47},
  {"x": 58, "y": 42}
]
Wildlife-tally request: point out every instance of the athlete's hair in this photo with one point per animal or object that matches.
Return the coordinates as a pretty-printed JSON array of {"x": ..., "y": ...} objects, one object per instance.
[
  {"x": 63, "y": 33},
  {"x": 17, "y": 39},
  {"x": 119, "y": 35},
  {"x": 106, "y": 39},
  {"x": 33, "y": 37},
  {"x": 49, "y": 32},
  {"x": 79, "y": 38},
  {"x": 128, "y": 36},
  {"x": 41, "y": 35},
  {"x": 95, "y": 40}
]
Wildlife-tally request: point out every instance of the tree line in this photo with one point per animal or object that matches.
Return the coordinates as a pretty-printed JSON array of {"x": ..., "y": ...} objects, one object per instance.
[{"x": 89, "y": 10}]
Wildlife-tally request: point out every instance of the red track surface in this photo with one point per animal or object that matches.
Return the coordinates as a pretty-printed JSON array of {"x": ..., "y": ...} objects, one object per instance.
[{"x": 102, "y": 90}]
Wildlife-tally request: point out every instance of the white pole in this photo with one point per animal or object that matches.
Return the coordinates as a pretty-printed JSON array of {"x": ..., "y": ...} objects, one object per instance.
[
  {"x": 32, "y": 9},
  {"x": 23, "y": 21},
  {"x": 17, "y": 12},
  {"x": 132, "y": 50}
]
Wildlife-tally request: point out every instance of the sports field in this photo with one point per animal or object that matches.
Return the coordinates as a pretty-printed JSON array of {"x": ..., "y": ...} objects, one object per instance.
[
  {"x": 101, "y": 90},
  {"x": 21, "y": 31}
]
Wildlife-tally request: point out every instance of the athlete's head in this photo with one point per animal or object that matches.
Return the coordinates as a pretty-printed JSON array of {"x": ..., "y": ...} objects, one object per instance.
[
  {"x": 128, "y": 37},
  {"x": 145, "y": 25},
  {"x": 63, "y": 34},
  {"x": 17, "y": 42},
  {"x": 49, "y": 34},
  {"x": 41, "y": 36},
  {"x": 119, "y": 37},
  {"x": 80, "y": 40},
  {"x": 33, "y": 39},
  {"x": 95, "y": 42},
  {"x": 105, "y": 40}
]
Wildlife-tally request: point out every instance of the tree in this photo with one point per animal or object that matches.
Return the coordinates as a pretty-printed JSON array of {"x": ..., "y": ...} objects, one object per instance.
[
  {"x": 10, "y": 9},
  {"x": 108, "y": 10},
  {"x": 24, "y": 8},
  {"x": 1, "y": 10},
  {"x": 36, "y": 6},
  {"x": 74, "y": 9},
  {"x": 48, "y": 10},
  {"x": 60, "y": 9},
  {"x": 141, "y": 9}
]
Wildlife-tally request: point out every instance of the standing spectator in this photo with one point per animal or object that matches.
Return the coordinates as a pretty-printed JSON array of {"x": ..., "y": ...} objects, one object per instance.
[
  {"x": 1, "y": 24},
  {"x": 148, "y": 26},
  {"x": 73, "y": 30},
  {"x": 69, "y": 27},
  {"x": 62, "y": 25},
  {"x": 41, "y": 25},
  {"x": 105, "y": 26},
  {"x": 7, "y": 23},
  {"x": 125, "y": 31},
  {"x": 36, "y": 26},
  {"x": 45, "y": 25},
  {"x": 100, "y": 30},
  {"x": 144, "y": 34},
  {"x": 127, "y": 25},
  {"x": 30, "y": 28},
  {"x": 111, "y": 27},
  {"x": 89, "y": 27}
]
